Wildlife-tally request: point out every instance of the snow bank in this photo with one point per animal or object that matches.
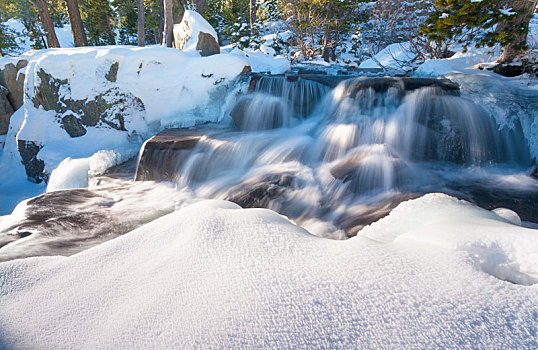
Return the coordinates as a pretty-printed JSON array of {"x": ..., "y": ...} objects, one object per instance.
[
  {"x": 459, "y": 63},
  {"x": 394, "y": 56},
  {"x": 148, "y": 88},
  {"x": 213, "y": 275},
  {"x": 496, "y": 244},
  {"x": 262, "y": 62}
]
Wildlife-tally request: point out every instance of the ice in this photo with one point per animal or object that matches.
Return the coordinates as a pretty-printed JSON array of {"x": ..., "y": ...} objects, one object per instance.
[
  {"x": 74, "y": 173},
  {"x": 71, "y": 173},
  {"x": 213, "y": 275}
]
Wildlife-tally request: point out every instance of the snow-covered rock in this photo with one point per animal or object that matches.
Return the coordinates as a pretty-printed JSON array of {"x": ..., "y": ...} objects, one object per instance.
[
  {"x": 195, "y": 33},
  {"x": 395, "y": 56},
  {"x": 213, "y": 275},
  {"x": 80, "y": 101}
]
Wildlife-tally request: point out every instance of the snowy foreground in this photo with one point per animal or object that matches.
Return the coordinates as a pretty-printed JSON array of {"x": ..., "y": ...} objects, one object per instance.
[{"x": 432, "y": 274}]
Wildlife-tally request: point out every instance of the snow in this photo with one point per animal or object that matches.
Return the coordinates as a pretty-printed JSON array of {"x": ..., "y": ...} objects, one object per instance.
[
  {"x": 177, "y": 90},
  {"x": 74, "y": 173},
  {"x": 191, "y": 26},
  {"x": 262, "y": 62},
  {"x": 394, "y": 56},
  {"x": 508, "y": 215},
  {"x": 213, "y": 275},
  {"x": 64, "y": 34}
]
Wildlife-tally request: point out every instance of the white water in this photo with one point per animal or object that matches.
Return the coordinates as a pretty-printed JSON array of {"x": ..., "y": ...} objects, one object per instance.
[{"x": 342, "y": 163}]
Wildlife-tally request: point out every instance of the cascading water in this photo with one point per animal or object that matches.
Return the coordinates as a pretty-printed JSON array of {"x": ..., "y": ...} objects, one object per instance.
[
  {"x": 331, "y": 160},
  {"x": 364, "y": 145}
]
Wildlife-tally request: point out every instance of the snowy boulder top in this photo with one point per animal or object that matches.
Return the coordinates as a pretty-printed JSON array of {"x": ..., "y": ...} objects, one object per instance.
[{"x": 190, "y": 28}]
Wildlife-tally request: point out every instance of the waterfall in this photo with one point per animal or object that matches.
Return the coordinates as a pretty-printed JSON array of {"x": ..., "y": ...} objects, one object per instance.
[
  {"x": 331, "y": 160},
  {"x": 366, "y": 142}
]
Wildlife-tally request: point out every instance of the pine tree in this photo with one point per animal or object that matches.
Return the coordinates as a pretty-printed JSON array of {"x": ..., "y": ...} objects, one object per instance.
[
  {"x": 96, "y": 15},
  {"x": 7, "y": 40},
  {"x": 480, "y": 23}
]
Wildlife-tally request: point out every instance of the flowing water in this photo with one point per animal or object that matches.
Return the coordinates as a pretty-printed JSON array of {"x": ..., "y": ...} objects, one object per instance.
[{"x": 332, "y": 160}]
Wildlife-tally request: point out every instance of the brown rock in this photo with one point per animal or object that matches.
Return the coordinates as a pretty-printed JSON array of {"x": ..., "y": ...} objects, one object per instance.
[{"x": 207, "y": 45}]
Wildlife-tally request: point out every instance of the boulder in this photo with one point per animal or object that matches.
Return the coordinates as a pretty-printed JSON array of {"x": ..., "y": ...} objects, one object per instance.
[
  {"x": 162, "y": 154},
  {"x": 108, "y": 108},
  {"x": 35, "y": 167},
  {"x": 15, "y": 84},
  {"x": 207, "y": 45},
  {"x": 6, "y": 110},
  {"x": 195, "y": 33}
]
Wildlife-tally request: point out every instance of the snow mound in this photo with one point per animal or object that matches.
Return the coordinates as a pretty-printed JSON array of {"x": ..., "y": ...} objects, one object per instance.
[
  {"x": 190, "y": 27},
  {"x": 213, "y": 275},
  {"x": 499, "y": 247},
  {"x": 508, "y": 215},
  {"x": 394, "y": 56}
]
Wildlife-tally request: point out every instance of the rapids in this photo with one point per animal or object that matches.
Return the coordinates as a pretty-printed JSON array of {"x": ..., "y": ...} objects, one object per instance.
[{"x": 331, "y": 159}]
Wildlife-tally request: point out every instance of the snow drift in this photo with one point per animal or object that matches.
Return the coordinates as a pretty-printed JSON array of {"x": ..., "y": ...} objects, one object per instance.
[{"x": 213, "y": 275}]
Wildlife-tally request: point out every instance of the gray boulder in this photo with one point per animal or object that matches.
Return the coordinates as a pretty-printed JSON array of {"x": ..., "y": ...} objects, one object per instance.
[{"x": 6, "y": 110}]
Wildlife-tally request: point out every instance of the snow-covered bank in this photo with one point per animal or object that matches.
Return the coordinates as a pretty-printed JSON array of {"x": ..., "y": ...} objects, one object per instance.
[
  {"x": 80, "y": 101},
  {"x": 216, "y": 276}
]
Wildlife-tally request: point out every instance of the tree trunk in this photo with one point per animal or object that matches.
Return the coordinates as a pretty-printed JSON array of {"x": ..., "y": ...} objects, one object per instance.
[
  {"x": 252, "y": 15},
  {"x": 77, "y": 27},
  {"x": 110, "y": 31},
  {"x": 168, "y": 23},
  {"x": 199, "y": 5},
  {"x": 141, "y": 19},
  {"x": 525, "y": 8},
  {"x": 46, "y": 22}
]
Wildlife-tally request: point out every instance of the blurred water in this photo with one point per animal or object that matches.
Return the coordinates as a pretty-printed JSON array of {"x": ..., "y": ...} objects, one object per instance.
[{"x": 333, "y": 161}]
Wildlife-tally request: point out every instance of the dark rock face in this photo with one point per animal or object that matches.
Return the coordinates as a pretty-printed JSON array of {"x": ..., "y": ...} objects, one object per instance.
[
  {"x": 35, "y": 168},
  {"x": 12, "y": 92},
  {"x": 73, "y": 126},
  {"x": 14, "y": 84},
  {"x": 107, "y": 109},
  {"x": 207, "y": 45},
  {"x": 6, "y": 110},
  {"x": 112, "y": 74}
]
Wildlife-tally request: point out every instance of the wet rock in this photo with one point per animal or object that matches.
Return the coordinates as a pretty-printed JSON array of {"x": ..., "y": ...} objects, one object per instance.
[
  {"x": 73, "y": 126},
  {"x": 534, "y": 173},
  {"x": 355, "y": 218},
  {"x": 35, "y": 167},
  {"x": 163, "y": 154},
  {"x": 260, "y": 193},
  {"x": 207, "y": 45},
  {"x": 488, "y": 196},
  {"x": 404, "y": 84}
]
